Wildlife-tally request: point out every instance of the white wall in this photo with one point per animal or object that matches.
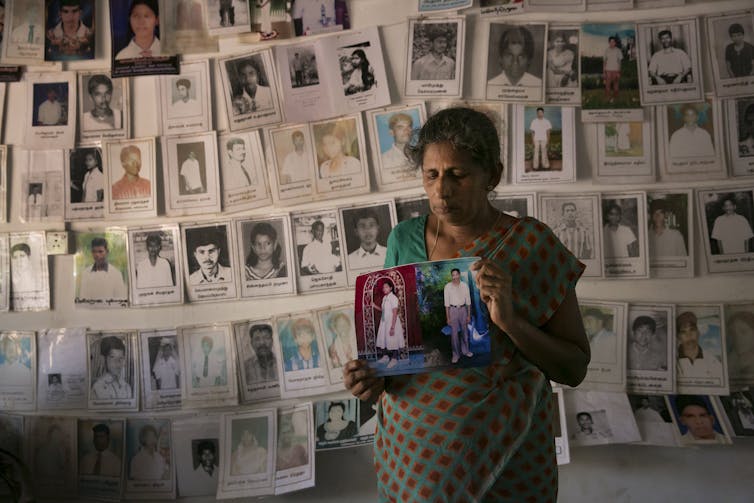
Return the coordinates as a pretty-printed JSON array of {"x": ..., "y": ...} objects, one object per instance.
[{"x": 611, "y": 473}]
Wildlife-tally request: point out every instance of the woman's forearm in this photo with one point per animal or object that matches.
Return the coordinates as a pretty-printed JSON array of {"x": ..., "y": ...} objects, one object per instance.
[{"x": 561, "y": 360}]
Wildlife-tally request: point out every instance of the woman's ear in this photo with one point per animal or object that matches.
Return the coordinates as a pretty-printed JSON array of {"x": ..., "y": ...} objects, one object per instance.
[{"x": 497, "y": 174}]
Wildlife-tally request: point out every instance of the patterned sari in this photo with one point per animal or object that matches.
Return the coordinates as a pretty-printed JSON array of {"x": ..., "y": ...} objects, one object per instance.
[{"x": 478, "y": 434}]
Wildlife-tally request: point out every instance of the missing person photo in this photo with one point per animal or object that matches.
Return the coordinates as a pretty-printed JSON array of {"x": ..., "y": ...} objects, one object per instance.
[
  {"x": 317, "y": 244},
  {"x": 295, "y": 449},
  {"x": 339, "y": 338},
  {"x": 648, "y": 339},
  {"x": 732, "y": 52},
  {"x": 131, "y": 178},
  {"x": 697, "y": 420},
  {"x": 87, "y": 180},
  {"x": 209, "y": 262},
  {"x": 250, "y": 90},
  {"x": 691, "y": 130},
  {"x": 103, "y": 106},
  {"x": 209, "y": 367},
  {"x": 243, "y": 171},
  {"x": 605, "y": 327},
  {"x": 149, "y": 458},
  {"x": 51, "y": 448},
  {"x": 101, "y": 269},
  {"x": 341, "y": 156},
  {"x": 411, "y": 207},
  {"x": 619, "y": 231},
  {"x": 209, "y": 361},
  {"x": 100, "y": 449},
  {"x": 356, "y": 72},
  {"x": 197, "y": 449},
  {"x": 18, "y": 369},
  {"x": 70, "y": 30},
  {"x": 184, "y": 96},
  {"x": 29, "y": 275},
  {"x": 191, "y": 174},
  {"x": 739, "y": 406},
  {"x": 391, "y": 132},
  {"x": 739, "y": 330},
  {"x": 192, "y": 171},
  {"x": 257, "y": 360},
  {"x": 740, "y": 123},
  {"x": 701, "y": 364},
  {"x": 184, "y": 99},
  {"x": 366, "y": 229},
  {"x": 729, "y": 221},
  {"x": 544, "y": 144},
  {"x": 592, "y": 428},
  {"x": 249, "y": 440},
  {"x": 161, "y": 369},
  {"x": 228, "y": 16},
  {"x": 50, "y": 104},
  {"x": 302, "y": 65},
  {"x": 435, "y": 53},
  {"x": 516, "y": 59},
  {"x": 608, "y": 70},
  {"x": 249, "y": 454},
  {"x": 113, "y": 378},
  {"x": 563, "y": 60},
  {"x": 154, "y": 253},
  {"x": 292, "y": 151},
  {"x": 264, "y": 246},
  {"x": 669, "y": 226},
  {"x": 653, "y": 419},
  {"x": 301, "y": 355}
]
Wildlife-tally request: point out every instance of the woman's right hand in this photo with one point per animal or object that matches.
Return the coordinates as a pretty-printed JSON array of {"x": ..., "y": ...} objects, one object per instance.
[{"x": 360, "y": 380}]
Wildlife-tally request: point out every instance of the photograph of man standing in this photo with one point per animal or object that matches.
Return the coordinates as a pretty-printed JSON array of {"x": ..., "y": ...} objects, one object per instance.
[{"x": 458, "y": 314}]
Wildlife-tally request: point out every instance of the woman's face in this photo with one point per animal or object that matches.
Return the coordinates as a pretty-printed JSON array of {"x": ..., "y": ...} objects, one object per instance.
[
  {"x": 336, "y": 413},
  {"x": 331, "y": 146},
  {"x": 355, "y": 60},
  {"x": 558, "y": 43},
  {"x": 90, "y": 161},
  {"x": 143, "y": 21},
  {"x": 455, "y": 184},
  {"x": 114, "y": 361},
  {"x": 263, "y": 246},
  {"x": 386, "y": 288},
  {"x": 346, "y": 65}
]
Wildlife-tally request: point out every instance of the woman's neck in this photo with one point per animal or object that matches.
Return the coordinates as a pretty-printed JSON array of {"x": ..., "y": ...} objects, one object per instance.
[
  {"x": 144, "y": 42},
  {"x": 462, "y": 234},
  {"x": 263, "y": 265}
]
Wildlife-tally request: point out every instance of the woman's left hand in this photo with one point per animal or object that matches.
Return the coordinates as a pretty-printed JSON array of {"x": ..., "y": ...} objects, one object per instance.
[{"x": 495, "y": 289}]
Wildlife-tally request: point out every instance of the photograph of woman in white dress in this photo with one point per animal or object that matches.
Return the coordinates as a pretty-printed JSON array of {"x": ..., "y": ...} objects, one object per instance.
[{"x": 390, "y": 336}]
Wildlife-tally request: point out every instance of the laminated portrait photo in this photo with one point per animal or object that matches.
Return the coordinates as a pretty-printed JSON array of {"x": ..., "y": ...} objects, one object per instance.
[
  {"x": 149, "y": 460},
  {"x": 740, "y": 411},
  {"x": 191, "y": 175},
  {"x": 209, "y": 262},
  {"x": 339, "y": 338},
  {"x": 294, "y": 456},
  {"x": 609, "y": 88},
  {"x": 671, "y": 233},
  {"x": 274, "y": 20},
  {"x": 292, "y": 163},
  {"x": 336, "y": 424},
  {"x": 130, "y": 178},
  {"x": 4, "y": 274},
  {"x": 576, "y": 221},
  {"x": 702, "y": 360},
  {"x": 258, "y": 352},
  {"x": 160, "y": 369},
  {"x": 516, "y": 74},
  {"x": 18, "y": 370},
  {"x": 62, "y": 378},
  {"x": 670, "y": 62},
  {"x": 101, "y": 449},
  {"x": 434, "y": 62},
  {"x": 650, "y": 357},
  {"x": 739, "y": 329},
  {"x": 247, "y": 466},
  {"x": 334, "y": 75},
  {"x": 599, "y": 418},
  {"x": 243, "y": 171},
  {"x": 185, "y": 103},
  {"x": 264, "y": 246},
  {"x": 51, "y": 122},
  {"x": 730, "y": 38},
  {"x": 135, "y": 40},
  {"x": 101, "y": 269},
  {"x": 184, "y": 29},
  {"x": 209, "y": 372},
  {"x": 24, "y": 33},
  {"x": 85, "y": 182},
  {"x": 70, "y": 30},
  {"x": 319, "y": 251},
  {"x": 625, "y": 152},
  {"x": 496, "y": 111},
  {"x": 544, "y": 144},
  {"x": 562, "y": 449},
  {"x": 29, "y": 272},
  {"x": 155, "y": 273},
  {"x": 104, "y": 106},
  {"x": 301, "y": 366},
  {"x": 410, "y": 207},
  {"x": 365, "y": 229},
  {"x": 690, "y": 140},
  {"x": 518, "y": 205},
  {"x": 250, "y": 90},
  {"x": 432, "y": 6},
  {"x": 50, "y": 455},
  {"x": 390, "y": 131},
  {"x": 227, "y": 17},
  {"x": 563, "y": 65},
  {"x": 196, "y": 444},
  {"x": 342, "y": 168},
  {"x": 605, "y": 327},
  {"x": 654, "y": 420},
  {"x": 40, "y": 185},
  {"x": 113, "y": 371},
  {"x": 453, "y": 330},
  {"x": 739, "y": 115},
  {"x": 698, "y": 421},
  {"x": 624, "y": 235},
  {"x": 727, "y": 220}
]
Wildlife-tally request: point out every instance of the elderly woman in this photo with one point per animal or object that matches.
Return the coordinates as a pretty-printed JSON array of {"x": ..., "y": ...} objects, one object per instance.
[{"x": 484, "y": 433}]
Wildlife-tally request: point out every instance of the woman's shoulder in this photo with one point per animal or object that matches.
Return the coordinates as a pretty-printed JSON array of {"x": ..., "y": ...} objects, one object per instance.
[{"x": 410, "y": 226}]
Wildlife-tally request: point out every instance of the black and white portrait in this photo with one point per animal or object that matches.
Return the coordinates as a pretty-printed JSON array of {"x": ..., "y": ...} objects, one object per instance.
[
  {"x": 250, "y": 94},
  {"x": 184, "y": 104},
  {"x": 154, "y": 255},
  {"x": 101, "y": 265},
  {"x": 264, "y": 247},
  {"x": 302, "y": 65},
  {"x": 258, "y": 360},
  {"x": 161, "y": 369},
  {"x": 113, "y": 383},
  {"x": 193, "y": 168},
  {"x": 668, "y": 225},
  {"x": 208, "y": 357},
  {"x": 184, "y": 96},
  {"x": 100, "y": 448},
  {"x": 337, "y": 147},
  {"x": 51, "y": 445},
  {"x": 574, "y": 220},
  {"x": 30, "y": 289},
  {"x": 729, "y": 221},
  {"x": 515, "y": 59},
  {"x": 562, "y": 59},
  {"x": 238, "y": 163},
  {"x": 131, "y": 176},
  {"x": 87, "y": 180},
  {"x": 591, "y": 427},
  {"x": 739, "y": 330},
  {"x": 228, "y": 16},
  {"x": 205, "y": 458},
  {"x": 366, "y": 229},
  {"x": 391, "y": 132},
  {"x": 191, "y": 174},
  {"x": 208, "y": 255},
  {"x": 149, "y": 457},
  {"x": 197, "y": 448},
  {"x": 740, "y": 123},
  {"x": 731, "y": 37},
  {"x": 739, "y": 406},
  {"x": 620, "y": 228},
  {"x": 648, "y": 339},
  {"x": 243, "y": 171},
  {"x": 356, "y": 72},
  {"x": 318, "y": 250},
  {"x": 745, "y": 123},
  {"x": 435, "y": 57},
  {"x": 103, "y": 106},
  {"x": 292, "y": 150}
]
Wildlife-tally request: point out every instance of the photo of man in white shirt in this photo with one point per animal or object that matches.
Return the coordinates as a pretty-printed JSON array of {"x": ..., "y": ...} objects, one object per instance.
[
  {"x": 50, "y": 112},
  {"x": 669, "y": 65},
  {"x": 192, "y": 181},
  {"x": 154, "y": 271},
  {"x": 540, "y": 131},
  {"x": 102, "y": 280},
  {"x": 457, "y": 299},
  {"x": 690, "y": 140},
  {"x": 370, "y": 253}
]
